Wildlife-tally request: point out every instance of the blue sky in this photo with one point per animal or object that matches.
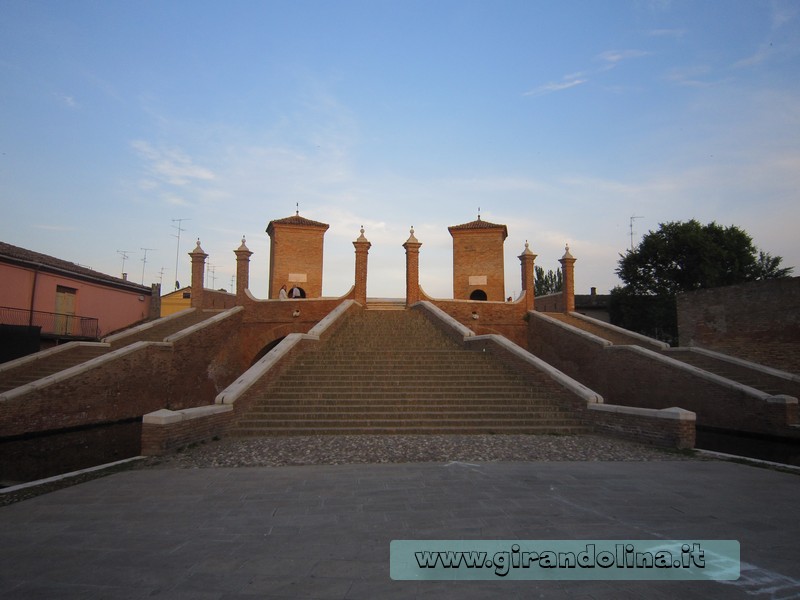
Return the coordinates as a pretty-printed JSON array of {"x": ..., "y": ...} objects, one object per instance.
[{"x": 561, "y": 120}]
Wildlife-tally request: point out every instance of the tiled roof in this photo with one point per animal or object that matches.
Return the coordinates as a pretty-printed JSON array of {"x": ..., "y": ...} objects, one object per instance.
[
  {"x": 296, "y": 220},
  {"x": 10, "y": 253},
  {"x": 478, "y": 224}
]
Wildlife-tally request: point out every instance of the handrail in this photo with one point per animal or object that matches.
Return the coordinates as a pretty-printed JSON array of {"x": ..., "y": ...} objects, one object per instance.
[{"x": 58, "y": 324}]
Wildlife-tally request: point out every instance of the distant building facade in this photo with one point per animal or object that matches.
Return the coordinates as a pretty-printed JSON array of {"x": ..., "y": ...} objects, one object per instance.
[{"x": 66, "y": 301}]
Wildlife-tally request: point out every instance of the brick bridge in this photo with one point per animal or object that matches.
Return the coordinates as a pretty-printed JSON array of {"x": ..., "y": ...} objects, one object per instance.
[{"x": 236, "y": 365}]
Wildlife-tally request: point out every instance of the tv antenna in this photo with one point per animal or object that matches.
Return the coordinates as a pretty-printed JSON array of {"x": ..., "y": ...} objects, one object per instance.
[
  {"x": 632, "y": 219},
  {"x": 144, "y": 260},
  {"x": 124, "y": 255},
  {"x": 178, "y": 249}
]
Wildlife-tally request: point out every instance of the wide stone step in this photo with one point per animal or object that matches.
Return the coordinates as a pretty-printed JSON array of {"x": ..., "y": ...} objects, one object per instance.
[
  {"x": 355, "y": 406},
  {"x": 443, "y": 421},
  {"x": 571, "y": 429},
  {"x": 394, "y": 395}
]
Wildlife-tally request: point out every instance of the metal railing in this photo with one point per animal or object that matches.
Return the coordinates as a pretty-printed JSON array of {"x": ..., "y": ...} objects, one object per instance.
[{"x": 52, "y": 324}]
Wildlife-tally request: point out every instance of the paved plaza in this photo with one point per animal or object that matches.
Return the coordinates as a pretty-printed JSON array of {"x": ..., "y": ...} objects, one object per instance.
[{"x": 323, "y": 531}]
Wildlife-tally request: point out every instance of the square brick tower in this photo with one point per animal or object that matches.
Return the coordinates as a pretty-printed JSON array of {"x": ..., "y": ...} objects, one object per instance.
[
  {"x": 478, "y": 261},
  {"x": 295, "y": 255}
]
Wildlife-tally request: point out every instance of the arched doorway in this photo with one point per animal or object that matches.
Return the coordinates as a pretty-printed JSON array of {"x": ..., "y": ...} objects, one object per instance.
[
  {"x": 297, "y": 287},
  {"x": 478, "y": 295}
]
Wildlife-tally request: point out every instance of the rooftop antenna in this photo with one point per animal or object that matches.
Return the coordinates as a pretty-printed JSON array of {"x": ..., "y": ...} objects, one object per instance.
[
  {"x": 297, "y": 211},
  {"x": 161, "y": 276},
  {"x": 144, "y": 260},
  {"x": 124, "y": 254},
  {"x": 178, "y": 249},
  {"x": 633, "y": 217}
]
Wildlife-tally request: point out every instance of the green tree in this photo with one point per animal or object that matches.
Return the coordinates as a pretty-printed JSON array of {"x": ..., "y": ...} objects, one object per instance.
[
  {"x": 686, "y": 256},
  {"x": 551, "y": 282},
  {"x": 681, "y": 257}
]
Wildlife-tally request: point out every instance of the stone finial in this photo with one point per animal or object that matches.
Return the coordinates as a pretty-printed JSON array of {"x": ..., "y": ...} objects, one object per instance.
[
  {"x": 243, "y": 247},
  {"x": 361, "y": 238},
  {"x": 566, "y": 253},
  {"x": 197, "y": 248},
  {"x": 411, "y": 238},
  {"x": 527, "y": 250}
]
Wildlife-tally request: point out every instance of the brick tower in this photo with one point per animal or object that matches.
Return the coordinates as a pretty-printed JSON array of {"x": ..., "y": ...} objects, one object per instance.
[
  {"x": 295, "y": 255},
  {"x": 478, "y": 261}
]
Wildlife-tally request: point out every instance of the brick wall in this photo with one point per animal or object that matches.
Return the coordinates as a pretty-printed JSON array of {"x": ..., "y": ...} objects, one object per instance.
[
  {"x": 670, "y": 428},
  {"x": 757, "y": 321},
  {"x": 633, "y": 376},
  {"x": 265, "y": 321}
]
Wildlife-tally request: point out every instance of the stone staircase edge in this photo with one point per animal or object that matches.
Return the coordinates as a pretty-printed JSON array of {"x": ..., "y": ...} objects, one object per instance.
[
  {"x": 203, "y": 324},
  {"x": 77, "y": 369},
  {"x": 653, "y": 343},
  {"x": 739, "y": 362},
  {"x": 44, "y": 354},
  {"x": 247, "y": 379},
  {"x": 149, "y": 325},
  {"x": 572, "y": 329},
  {"x": 564, "y": 380}
]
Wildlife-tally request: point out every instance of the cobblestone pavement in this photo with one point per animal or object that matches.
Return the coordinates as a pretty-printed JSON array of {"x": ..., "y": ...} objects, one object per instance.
[{"x": 359, "y": 449}]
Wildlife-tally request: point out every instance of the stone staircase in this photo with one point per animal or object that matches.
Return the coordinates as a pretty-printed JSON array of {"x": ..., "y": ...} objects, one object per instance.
[
  {"x": 79, "y": 353},
  {"x": 162, "y": 328},
  {"x": 759, "y": 380},
  {"x": 589, "y": 327},
  {"x": 39, "y": 369},
  {"x": 392, "y": 371}
]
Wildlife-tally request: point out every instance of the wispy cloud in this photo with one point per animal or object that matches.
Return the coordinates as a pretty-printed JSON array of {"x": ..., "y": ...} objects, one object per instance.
[
  {"x": 569, "y": 81},
  {"x": 695, "y": 76},
  {"x": 611, "y": 58},
  {"x": 760, "y": 56},
  {"x": 67, "y": 100},
  {"x": 170, "y": 165}
]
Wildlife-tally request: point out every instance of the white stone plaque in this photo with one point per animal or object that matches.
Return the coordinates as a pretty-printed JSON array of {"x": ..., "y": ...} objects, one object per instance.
[
  {"x": 477, "y": 279},
  {"x": 298, "y": 278}
]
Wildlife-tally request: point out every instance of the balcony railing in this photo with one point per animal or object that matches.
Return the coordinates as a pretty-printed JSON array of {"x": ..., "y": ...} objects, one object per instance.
[{"x": 52, "y": 324}]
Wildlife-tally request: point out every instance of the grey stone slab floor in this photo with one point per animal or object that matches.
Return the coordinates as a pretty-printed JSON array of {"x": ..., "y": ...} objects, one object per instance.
[{"x": 323, "y": 531}]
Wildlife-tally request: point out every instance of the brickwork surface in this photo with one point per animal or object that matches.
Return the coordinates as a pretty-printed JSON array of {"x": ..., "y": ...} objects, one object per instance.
[{"x": 758, "y": 321}]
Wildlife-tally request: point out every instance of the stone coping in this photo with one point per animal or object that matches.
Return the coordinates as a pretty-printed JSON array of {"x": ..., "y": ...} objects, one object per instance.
[
  {"x": 165, "y": 416},
  {"x": 446, "y": 319},
  {"x": 574, "y": 330},
  {"x": 674, "y": 412}
]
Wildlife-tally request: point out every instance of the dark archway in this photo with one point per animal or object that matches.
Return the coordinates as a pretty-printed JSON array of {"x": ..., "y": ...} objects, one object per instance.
[
  {"x": 302, "y": 292},
  {"x": 263, "y": 352},
  {"x": 478, "y": 295}
]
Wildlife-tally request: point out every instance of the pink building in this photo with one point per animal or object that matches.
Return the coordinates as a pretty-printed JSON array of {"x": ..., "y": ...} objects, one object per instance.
[{"x": 68, "y": 301}]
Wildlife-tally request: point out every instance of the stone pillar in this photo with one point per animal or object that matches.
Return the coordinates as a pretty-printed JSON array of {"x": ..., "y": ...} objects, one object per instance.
[
  {"x": 198, "y": 274},
  {"x": 568, "y": 271},
  {"x": 362, "y": 246},
  {"x": 527, "y": 259},
  {"x": 412, "y": 268},
  {"x": 243, "y": 255}
]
